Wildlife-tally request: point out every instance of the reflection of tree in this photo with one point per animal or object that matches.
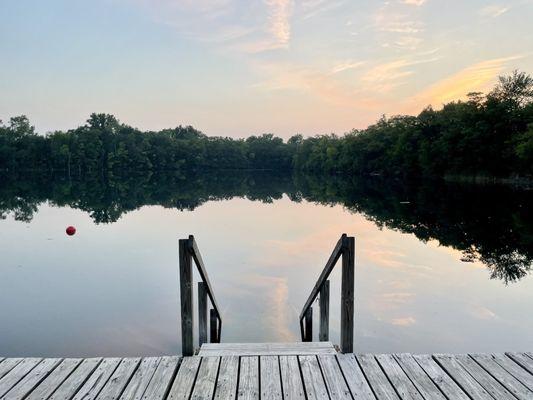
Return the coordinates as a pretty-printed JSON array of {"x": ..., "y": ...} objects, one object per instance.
[{"x": 489, "y": 224}]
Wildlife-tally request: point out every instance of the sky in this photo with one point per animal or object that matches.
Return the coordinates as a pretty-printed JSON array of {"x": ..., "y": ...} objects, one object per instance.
[{"x": 242, "y": 67}]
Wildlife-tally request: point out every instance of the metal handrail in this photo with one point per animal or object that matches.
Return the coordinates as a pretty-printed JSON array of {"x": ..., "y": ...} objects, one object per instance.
[
  {"x": 188, "y": 250},
  {"x": 345, "y": 247}
]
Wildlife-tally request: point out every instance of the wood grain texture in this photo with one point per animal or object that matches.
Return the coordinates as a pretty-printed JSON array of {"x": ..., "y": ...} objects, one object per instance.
[
  {"x": 55, "y": 379},
  {"x": 347, "y": 294},
  {"x": 291, "y": 380},
  {"x": 314, "y": 384},
  {"x": 119, "y": 379},
  {"x": 376, "y": 378},
  {"x": 76, "y": 380},
  {"x": 335, "y": 383},
  {"x": 514, "y": 369},
  {"x": 270, "y": 378},
  {"x": 186, "y": 298},
  {"x": 228, "y": 378},
  {"x": 92, "y": 386},
  {"x": 184, "y": 382},
  {"x": 399, "y": 380},
  {"x": 248, "y": 378},
  {"x": 418, "y": 377},
  {"x": 202, "y": 313},
  {"x": 160, "y": 383},
  {"x": 266, "y": 349},
  {"x": 204, "y": 388},
  {"x": 7, "y": 365},
  {"x": 37, "y": 374},
  {"x": 355, "y": 378},
  {"x": 323, "y": 330},
  {"x": 140, "y": 379},
  {"x": 17, "y": 373}
]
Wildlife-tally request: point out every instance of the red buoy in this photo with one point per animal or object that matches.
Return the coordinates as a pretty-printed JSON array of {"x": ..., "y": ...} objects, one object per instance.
[{"x": 70, "y": 230}]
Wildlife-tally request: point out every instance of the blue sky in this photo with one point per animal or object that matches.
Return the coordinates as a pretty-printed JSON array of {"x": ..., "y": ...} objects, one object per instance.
[{"x": 235, "y": 68}]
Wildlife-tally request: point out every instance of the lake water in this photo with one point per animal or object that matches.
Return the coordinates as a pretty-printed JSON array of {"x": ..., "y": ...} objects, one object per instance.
[{"x": 439, "y": 268}]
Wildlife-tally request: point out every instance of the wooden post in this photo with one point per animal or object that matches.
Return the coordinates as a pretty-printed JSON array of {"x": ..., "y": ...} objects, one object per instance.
[
  {"x": 202, "y": 313},
  {"x": 323, "y": 334},
  {"x": 309, "y": 325},
  {"x": 186, "y": 295},
  {"x": 213, "y": 325},
  {"x": 347, "y": 294}
]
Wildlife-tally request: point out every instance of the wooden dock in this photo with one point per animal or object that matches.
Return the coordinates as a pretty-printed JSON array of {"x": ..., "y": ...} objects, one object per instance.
[{"x": 270, "y": 371}]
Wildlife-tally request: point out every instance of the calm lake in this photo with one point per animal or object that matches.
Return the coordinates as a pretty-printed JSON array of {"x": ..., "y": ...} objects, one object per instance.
[{"x": 439, "y": 267}]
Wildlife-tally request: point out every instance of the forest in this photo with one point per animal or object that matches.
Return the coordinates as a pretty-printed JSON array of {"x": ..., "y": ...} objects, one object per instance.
[{"x": 485, "y": 135}]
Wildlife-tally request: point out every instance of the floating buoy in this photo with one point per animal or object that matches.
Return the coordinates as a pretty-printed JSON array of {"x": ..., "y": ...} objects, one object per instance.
[{"x": 70, "y": 230}]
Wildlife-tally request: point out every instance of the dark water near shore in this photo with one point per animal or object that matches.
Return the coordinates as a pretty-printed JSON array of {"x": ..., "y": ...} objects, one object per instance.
[{"x": 439, "y": 267}]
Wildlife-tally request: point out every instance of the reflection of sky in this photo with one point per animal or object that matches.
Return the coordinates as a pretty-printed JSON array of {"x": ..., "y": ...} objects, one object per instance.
[{"x": 112, "y": 289}]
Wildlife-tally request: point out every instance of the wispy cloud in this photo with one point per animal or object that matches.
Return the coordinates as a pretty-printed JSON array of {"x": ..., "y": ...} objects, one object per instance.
[
  {"x": 493, "y": 11},
  {"x": 279, "y": 21},
  {"x": 417, "y": 3},
  {"x": 405, "y": 321},
  {"x": 346, "y": 65},
  {"x": 477, "y": 77}
]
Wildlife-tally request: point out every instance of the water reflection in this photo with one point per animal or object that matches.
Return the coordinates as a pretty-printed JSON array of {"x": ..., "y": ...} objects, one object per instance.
[{"x": 491, "y": 224}]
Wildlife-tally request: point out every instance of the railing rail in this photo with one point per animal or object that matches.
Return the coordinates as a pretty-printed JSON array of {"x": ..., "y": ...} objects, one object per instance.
[
  {"x": 188, "y": 251},
  {"x": 344, "y": 248}
]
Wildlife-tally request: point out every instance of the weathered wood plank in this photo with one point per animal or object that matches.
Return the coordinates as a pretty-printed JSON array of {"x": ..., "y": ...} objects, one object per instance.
[
  {"x": 206, "y": 379},
  {"x": 376, "y": 378},
  {"x": 228, "y": 378},
  {"x": 213, "y": 326},
  {"x": 459, "y": 374},
  {"x": 17, "y": 373},
  {"x": 183, "y": 383},
  {"x": 523, "y": 360},
  {"x": 140, "y": 379},
  {"x": 26, "y": 385},
  {"x": 323, "y": 333},
  {"x": 160, "y": 383},
  {"x": 248, "y": 378},
  {"x": 315, "y": 387},
  {"x": 514, "y": 369},
  {"x": 76, "y": 380},
  {"x": 512, "y": 384},
  {"x": 418, "y": 377},
  {"x": 186, "y": 298},
  {"x": 308, "y": 325},
  {"x": 355, "y": 378},
  {"x": 333, "y": 377},
  {"x": 54, "y": 379},
  {"x": 119, "y": 380},
  {"x": 445, "y": 383},
  {"x": 270, "y": 378},
  {"x": 488, "y": 382},
  {"x": 400, "y": 381},
  {"x": 7, "y": 365},
  {"x": 92, "y": 386},
  {"x": 202, "y": 313},
  {"x": 290, "y": 378},
  {"x": 347, "y": 294},
  {"x": 266, "y": 349}
]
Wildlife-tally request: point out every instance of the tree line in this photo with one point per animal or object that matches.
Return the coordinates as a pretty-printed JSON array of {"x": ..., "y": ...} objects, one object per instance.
[{"x": 484, "y": 135}]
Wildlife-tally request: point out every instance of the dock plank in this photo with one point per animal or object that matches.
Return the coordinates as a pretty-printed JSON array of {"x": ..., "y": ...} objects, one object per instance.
[
  {"x": 54, "y": 379},
  {"x": 418, "y": 377},
  {"x": 92, "y": 386},
  {"x": 399, "y": 380},
  {"x": 514, "y": 369},
  {"x": 440, "y": 378},
  {"x": 76, "y": 380},
  {"x": 523, "y": 360},
  {"x": 204, "y": 387},
  {"x": 228, "y": 378},
  {"x": 335, "y": 383},
  {"x": 26, "y": 385},
  {"x": 164, "y": 374},
  {"x": 119, "y": 379},
  {"x": 270, "y": 378},
  {"x": 17, "y": 373},
  {"x": 7, "y": 365},
  {"x": 314, "y": 384},
  {"x": 248, "y": 379},
  {"x": 182, "y": 386},
  {"x": 456, "y": 370},
  {"x": 359, "y": 387},
  {"x": 376, "y": 378},
  {"x": 266, "y": 349},
  {"x": 291, "y": 380},
  {"x": 512, "y": 384},
  {"x": 140, "y": 379}
]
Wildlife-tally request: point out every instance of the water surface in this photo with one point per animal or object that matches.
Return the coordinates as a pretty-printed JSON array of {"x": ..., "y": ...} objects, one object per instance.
[{"x": 439, "y": 268}]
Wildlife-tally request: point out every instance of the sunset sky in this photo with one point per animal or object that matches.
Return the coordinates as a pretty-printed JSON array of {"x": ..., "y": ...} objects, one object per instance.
[{"x": 242, "y": 67}]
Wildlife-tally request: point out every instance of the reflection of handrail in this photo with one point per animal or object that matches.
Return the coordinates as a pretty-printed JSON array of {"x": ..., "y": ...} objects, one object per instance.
[
  {"x": 345, "y": 247},
  {"x": 188, "y": 251}
]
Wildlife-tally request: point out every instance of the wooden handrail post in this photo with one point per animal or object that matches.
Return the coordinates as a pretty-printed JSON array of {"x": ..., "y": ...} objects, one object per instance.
[
  {"x": 308, "y": 325},
  {"x": 213, "y": 326},
  {"x": 347, "y": 294},
  {"x": 186, "y": 296},
  {"x": 323, "y": 334},
  {"x": 202, "y": 313}
]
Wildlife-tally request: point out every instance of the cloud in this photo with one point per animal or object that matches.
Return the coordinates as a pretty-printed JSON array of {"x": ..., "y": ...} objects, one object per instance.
[
  {"x": 344, "y": 66},
  {"x": 493, "y": 11},
  {"x": 279, "y": 21},
  {"x": 417, "y": 3},
  {"x": 406, "y": 321},
  {"x": 475, "y": 78}
]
